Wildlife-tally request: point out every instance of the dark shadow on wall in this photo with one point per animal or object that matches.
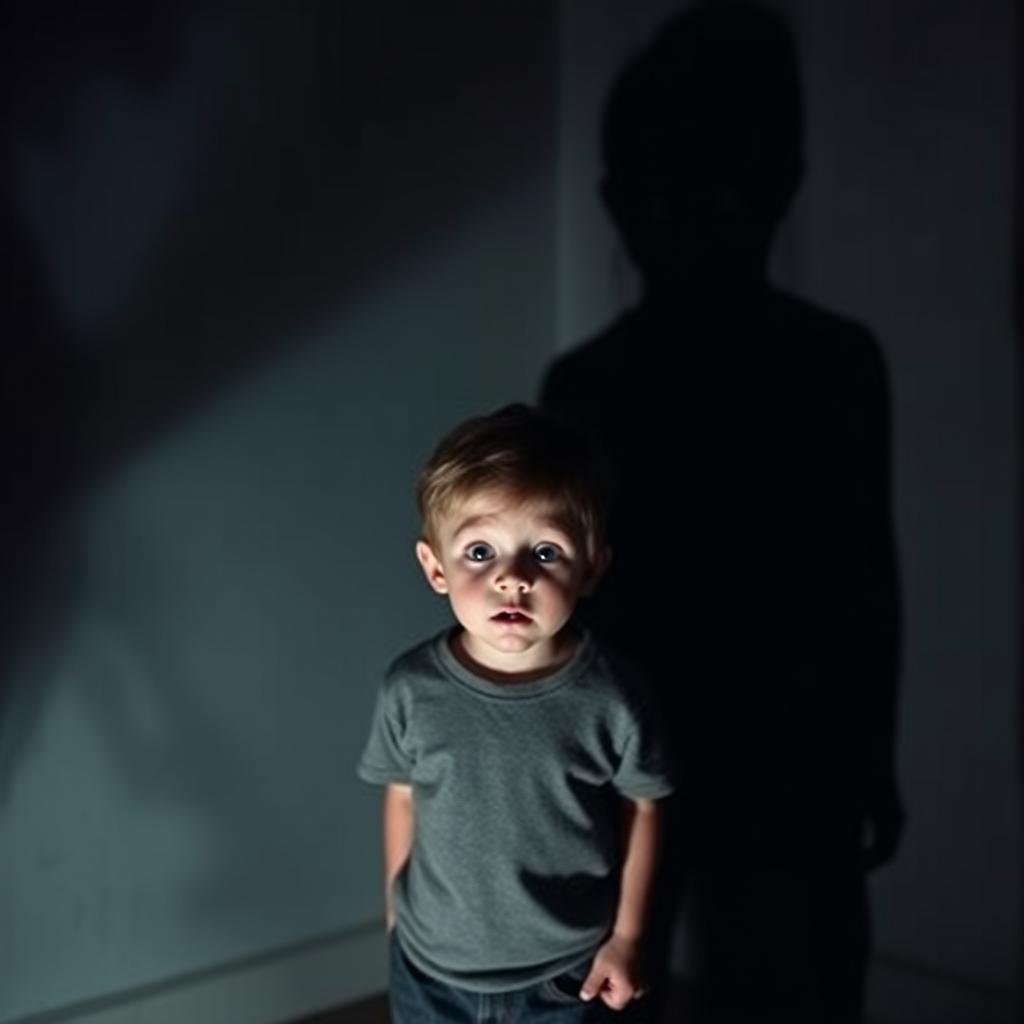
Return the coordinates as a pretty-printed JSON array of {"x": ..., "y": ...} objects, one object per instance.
[
  {"x": 755, "y": 572},
  {"x": 351, "y": 137},
  {"x": 1018, "y": 300}
]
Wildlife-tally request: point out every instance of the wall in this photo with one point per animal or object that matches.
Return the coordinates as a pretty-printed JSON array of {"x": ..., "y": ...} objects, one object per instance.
[{"x": 280, "y": 250}]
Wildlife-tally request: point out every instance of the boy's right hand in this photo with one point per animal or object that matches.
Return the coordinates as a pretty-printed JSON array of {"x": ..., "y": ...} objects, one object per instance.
[{"x": 614, "y": 974}]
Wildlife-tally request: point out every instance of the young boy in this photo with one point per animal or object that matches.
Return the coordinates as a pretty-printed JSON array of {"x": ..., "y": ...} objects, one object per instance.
[{"x": 514, "y": 752}]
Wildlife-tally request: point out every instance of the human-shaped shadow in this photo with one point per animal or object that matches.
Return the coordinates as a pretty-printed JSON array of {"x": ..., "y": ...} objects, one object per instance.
[{"x": 754, "y": 572}]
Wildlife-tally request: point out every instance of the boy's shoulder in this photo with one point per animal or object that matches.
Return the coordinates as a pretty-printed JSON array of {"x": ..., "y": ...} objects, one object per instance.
[
  {"x": 421, "y": 661},
  {"x": 413, "y": 676},
  {"x": 623, "y": 676}
]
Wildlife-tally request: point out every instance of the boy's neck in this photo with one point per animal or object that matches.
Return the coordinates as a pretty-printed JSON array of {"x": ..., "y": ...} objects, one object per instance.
[{"x": 563, "y": 647}]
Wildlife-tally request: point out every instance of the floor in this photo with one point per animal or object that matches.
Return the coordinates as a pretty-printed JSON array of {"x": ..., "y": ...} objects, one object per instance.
[{"x": 369, "y": 1011}]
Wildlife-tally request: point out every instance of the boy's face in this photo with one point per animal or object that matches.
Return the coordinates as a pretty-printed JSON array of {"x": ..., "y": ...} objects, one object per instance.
[{"x": 513, "y": 574}]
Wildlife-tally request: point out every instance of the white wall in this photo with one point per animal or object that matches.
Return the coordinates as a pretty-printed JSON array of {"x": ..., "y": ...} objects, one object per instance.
[
  {"x": 905, "y": 223},
  {"x": 316, "y": 241}
]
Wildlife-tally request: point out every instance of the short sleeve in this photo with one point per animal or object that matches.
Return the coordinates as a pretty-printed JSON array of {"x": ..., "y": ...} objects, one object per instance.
[{"x": 384, "y": 760}]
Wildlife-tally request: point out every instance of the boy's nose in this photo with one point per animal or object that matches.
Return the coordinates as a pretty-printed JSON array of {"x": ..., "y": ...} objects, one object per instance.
[
  {"x": 512, "y": 581},
  {"x": 513, "y": 577}
]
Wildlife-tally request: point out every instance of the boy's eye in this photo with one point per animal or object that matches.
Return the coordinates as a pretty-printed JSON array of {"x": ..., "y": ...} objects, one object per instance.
[
  {"x": 479, "y": 552},
  {"x": 547, "y": 553}
]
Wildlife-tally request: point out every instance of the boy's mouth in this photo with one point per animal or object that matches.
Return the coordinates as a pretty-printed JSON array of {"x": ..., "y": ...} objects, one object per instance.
[{"x": 510, "y": 616}]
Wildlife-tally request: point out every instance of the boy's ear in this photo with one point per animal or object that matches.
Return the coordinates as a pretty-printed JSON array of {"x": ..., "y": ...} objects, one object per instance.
[
  {"x": 431, "y": 566},
  {"x": 598, "y": 567}
]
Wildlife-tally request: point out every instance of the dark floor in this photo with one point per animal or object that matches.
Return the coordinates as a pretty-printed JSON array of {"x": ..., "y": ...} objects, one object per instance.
[{"x": 369, "y": 1011}]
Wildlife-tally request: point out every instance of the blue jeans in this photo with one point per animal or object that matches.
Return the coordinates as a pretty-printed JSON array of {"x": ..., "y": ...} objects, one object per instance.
[{"x": 417, "y": 998}]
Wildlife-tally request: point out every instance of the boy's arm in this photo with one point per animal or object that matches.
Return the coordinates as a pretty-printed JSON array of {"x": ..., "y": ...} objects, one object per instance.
[
  {"x": 614, "y": 973},
  {"x": 398, "y": 829}
]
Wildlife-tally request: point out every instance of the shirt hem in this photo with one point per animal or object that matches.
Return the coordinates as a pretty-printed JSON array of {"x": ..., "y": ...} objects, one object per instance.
[{"x": 544, "y": 973}]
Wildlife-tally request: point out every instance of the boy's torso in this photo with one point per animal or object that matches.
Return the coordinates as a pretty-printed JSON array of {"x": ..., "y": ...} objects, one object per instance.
[{"x": 514, "y": 868}]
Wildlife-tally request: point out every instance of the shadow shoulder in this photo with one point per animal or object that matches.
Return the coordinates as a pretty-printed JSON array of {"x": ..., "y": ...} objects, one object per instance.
[
  {"x": 822, "y": 329},
  {"x": 830, "y": 347},
  {"x": 599, "y": 356}
]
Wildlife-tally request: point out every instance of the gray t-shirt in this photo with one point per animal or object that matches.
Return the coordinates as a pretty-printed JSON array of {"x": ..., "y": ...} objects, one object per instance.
[{"x": 514, "y": 869}]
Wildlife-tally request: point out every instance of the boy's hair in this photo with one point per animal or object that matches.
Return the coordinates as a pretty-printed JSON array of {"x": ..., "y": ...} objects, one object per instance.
[{"x": 532, "y": 454}]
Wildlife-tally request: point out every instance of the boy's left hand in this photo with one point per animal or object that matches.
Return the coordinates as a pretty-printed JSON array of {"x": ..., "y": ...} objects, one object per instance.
[{"x": 614, "y": 974}]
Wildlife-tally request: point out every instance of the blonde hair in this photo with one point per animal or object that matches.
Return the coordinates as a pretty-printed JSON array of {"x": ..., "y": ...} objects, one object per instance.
[{"x": 528, "y": 453}]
